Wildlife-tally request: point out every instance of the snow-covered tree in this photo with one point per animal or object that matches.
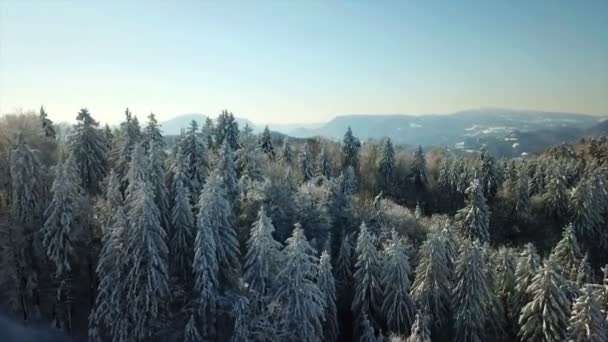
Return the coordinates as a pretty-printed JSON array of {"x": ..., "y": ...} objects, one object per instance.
[
  {"x": 419, "y": 171},
  {"x": 528, "y": 265},
  {"x": 286, "y": 154},
  {"x": 264, "y": 257},
  {"x": 47, "y": 124},
  {"x": 302, "y": 300},
  {"x": 343, "y": 271},
  {"x": 182, "y": 234},
  {"x": 489, "y": 174},
  {"x": 387, "y": 166},
  {"x": 586, "y": 208},
  {"x": 88, "y": 146},
  {"x": 471, "y": 294},
  {"x": 326, "y": 283},
  {"x": 157, "y": 178},
  {"x": 226, "y": 168},
  {"x": 475, "y": 217},
  {"x": 266, "y": 143},
  {"x": 191, "y": 333},
  {"x": 545, "y": 317},
  {"x": 62, "y": 229},
  {"x": 227, "y": 129},
  {"x": 350, "y": 150},
  {"x": 147, "y": 252},
  {"x": 324, "y": 167},
  {"x": 27, "y": 184},
  {"x": 368, "y": 333},
  {"x": 195, "y": 154},
  {"x": 420, "y": 329},
  {"x": 522, "y": 193},
  {"x": 349, "y": 181},
  {"x": 153, "y": 135},
  {"x": 307, "y": 164},
  {"x": 567, "y": 254},
  {"x": 367, "y": 296},
  {"x": 587, "y": 322},
  {"x": 208, "y": 132},
  {"x": 506, "y": 263},
  {"x": 556, "y": 195},
  {"x": 397, "y": 307},
  {"x": 432, "y": 284},
  {"x": 130, "y": 135}
]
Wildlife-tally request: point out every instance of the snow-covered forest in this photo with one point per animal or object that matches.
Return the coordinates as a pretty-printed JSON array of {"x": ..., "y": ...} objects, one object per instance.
[{"x": 122, "y": 234}]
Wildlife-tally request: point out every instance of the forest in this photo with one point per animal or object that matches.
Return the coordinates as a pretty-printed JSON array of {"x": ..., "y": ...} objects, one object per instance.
[{"x": 219, "y": 234}]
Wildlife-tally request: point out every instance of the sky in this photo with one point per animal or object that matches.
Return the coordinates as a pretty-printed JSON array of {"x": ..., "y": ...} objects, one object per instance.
[{"x": 301, "y": 61}]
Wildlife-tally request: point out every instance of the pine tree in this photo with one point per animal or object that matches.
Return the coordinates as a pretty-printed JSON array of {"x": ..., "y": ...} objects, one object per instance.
[
  {"x": 27, "y": 184},
  {"x": 226, "y": 168},
  {"x": 326, "y": 283},
  {"x": 489, "y": 174},
  {"x": 397, "y": 307},
  {"x": 367, "y": 297},
  {"x": 286, "y": 154},
  {"x": 266, "y": 143},
  {"x": 207, "y": 132},
  {"x": 130, "y": 135},
  {"x": 183, "y": 232},
  {"x": 419, "y": 172},
  {"x": 587, "y": 217},
  {"x": 431, "y": 287},
  {"x": 567, "y": 253},
  {"x": 556, "y": 195},
  {"x": 506, "y": 264},
  {"x": 301, "y": 298},
  {"x": 47, "y": 124},
  {"x": 545, "y": 317},
  {"x": 387, "y": 167},
  {"x": 227, "y": 129},
  {"x": 88, "y": 146},
  {"x": 194, "y": 152},
  {"x": 420, "y": 330},
  {"x": 61, "y": 230},
  {"x": 470, "y": 297},
  {"x": 307, "y": 163},
  {"x": 215, "y": 211},
  {"x": 157, "y": 177},
  {"x": 475, "y": 217},
  {"x": 537, "y": 178},
  {"x": 147, "y": 252},
  {"x": 263, "y": 258},
  {"x": 587, "y": 323},
  {"x": 153, "y": 135},
  {"x": 323, "y": 163},
  {"x": 343, "y": 271},
  {"x": 528, "y": 265},
  {"x": 350, "y": 150}
]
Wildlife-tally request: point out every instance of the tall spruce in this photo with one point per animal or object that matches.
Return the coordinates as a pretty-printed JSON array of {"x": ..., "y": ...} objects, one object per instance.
[
  {"x": 387, "y": 167},
  {"x": 88, "y": 146},
  {"x": 475, "y": 217},
  {"x": 266, "y": 143},
  {"x": 367, "y": 296},
  {"x": 350, "y": 150},
  {"x": 195, "y": 154},
  {"x": 420, "y": 329},
  {"x": 567, "y": 254},
  {"x": 326, "y": 283},
  {"x": 587, "y": 322},
  {"x": 324, "y": 167},
  {"x": 528, "y": 265},
  {"x": 286, "y": 154},
  {"x": 419, "y": 172},
  {"x": 306, "y": 160},
  {"x": 183, "y": 232},
  {"x": 227, "y": 129},
  {"x": 47, "y": 124},
  {"x": 227, "y": 169}
]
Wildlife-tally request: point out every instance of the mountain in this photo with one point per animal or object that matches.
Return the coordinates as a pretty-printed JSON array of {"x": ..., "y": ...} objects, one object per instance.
[
  {"x": 508, "y": 132},
  {"x": 175, "y": 125}
]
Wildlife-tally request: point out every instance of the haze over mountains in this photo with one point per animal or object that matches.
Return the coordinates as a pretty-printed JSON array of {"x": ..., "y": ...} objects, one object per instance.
[{"x": 507, "y": 132}]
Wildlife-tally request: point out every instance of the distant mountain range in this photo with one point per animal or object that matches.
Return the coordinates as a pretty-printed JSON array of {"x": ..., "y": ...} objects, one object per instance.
[{"x": 506, "y": 132}]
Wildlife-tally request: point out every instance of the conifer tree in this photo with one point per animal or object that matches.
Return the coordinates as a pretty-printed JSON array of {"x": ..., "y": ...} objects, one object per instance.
[
  {"x": 349, "y": 182},
  {"x": 537, "y": 178},
  {"x": 556, "y": 195},
  {"x": 585, "y": 205},
  {"x": 152, "y": 134},
  {"x": 326, "y": 283},
  {"x": 431, "y": 287},
  {"x": 226, "y": 168},
  {"x": 266, "y": 143},
  {"x": 367, "y": 296},
  {"x": 420, "y": 330},
  {"x": 147, "y": 252},
  {"x": 207, "y": 132},
  {"x": 350, "y": 150},
  {"x": 506, "y": 263},
  {"x": 191, "y": 333},
  {"x": 183, "y": 233},
  {"x": 475, "y": 217},
  {"x": 195, "y": 154},
  {"x": 130, "y": 135},
  {"x": 470, "y": 297},
  {"x": 302, "y": 300},
  {"x": 263, "y": 259},
  {"x": 227, "y": 129},
  {"x": 47, "y": 124},
  {"x": 286, "y": 154},
  {"x": 522, "y": 193},
  {"x": 587, "y": 323},
  {"x": 157, "y": 178},
  {"x": 545, "y": 317},
  {"x": 397, "y": 307},
  {"x": 419, "y": 172},
  {"x": 567, "y": 253},
  {"x": 489, "y": 174},
  {"x": 88, "y": 146},
  {"x": 307, "y": 165},
  {"x": 528, "y": 265},
  {"x": 367, "y": 330},
  {"x": 387, "y": 166},
  {"x": 323, "y": 163},
  {"x": 27, "y": 184},
  {"x": 343, "y": 271}
]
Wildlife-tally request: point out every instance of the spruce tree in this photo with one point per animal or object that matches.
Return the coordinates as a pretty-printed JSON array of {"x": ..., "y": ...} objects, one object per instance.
[
  {"x": 367, "y": 296},
  {"x": 420, "y": 330},
  {"x": 266, "y": 143},
  {"x": 323, "y": 163},
  {"x": 368, "y": 333},
  {"x": 522, "y": 193},
  {"x": 326, "y": 283},
  {"x": 88, "y": 146},
  {"x": 227, "y": 129},
  {"x": 387, "y": 167},
  {"x": 419, "y": 172},
  {"x": 475, "y": 217},
  {"x": 349, "y": 181},
  {"x": 27, "y": 184},
  {"x": 528, "y": 265},
  {"x": 264, "y": 257},
  {"x": 350, "y": 150},
  {"x": 397, "y": 307},
  {"x": 302, "y": 300},
  {"x": 195, "y": 154},
  {"x": 182, "y": 233},
  {"x": 556, "y": 195},
  {"x": 431, "y": 287},
  {"x": 307, "y": 165},
  {"x": 47, "y": 124},
  {"x": 157, "y": 178},
  {"x": 191, "y": 333},
  {"x": 470, "y": 296},
  {"x": 545, "y": 317},
  {"x": 286, "y": 154},
  {"x": 226, "y": 168},
  {"x": 587, "y": 322},
  {"x": 147, "y": 252},
  {"x": 567, "y": 254},
  {"x": 153, "y": 135},
  {"x": 489, "y": 174},
  {"x": 586, "y": 208},
  {"x": 208, "y": 132}
]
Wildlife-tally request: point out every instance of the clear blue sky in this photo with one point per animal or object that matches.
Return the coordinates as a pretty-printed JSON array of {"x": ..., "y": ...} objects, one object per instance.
[{"x": 302, "y": 61}]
